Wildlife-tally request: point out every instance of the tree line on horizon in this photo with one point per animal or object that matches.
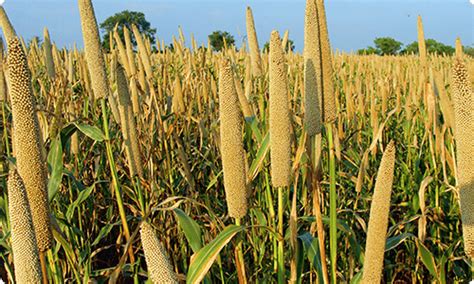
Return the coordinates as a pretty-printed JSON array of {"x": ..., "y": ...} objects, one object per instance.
[{"x": 218, "y": 39}]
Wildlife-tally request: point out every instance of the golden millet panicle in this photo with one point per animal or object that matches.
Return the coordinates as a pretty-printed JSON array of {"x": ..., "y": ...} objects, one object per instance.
[
  {"x": 160, "y": 269},
  {"x": 142, "y": 51},
  {"x": 3, "y": 82},
  {"x": 378, "y": 222},
  {"x": 284, "y": 41},
  {"x": 253, "y": 45},
  {"x": 329, "y": 96},
  {"x": 463, "y": 116},
  {"x": 6, "y": 25},
  {"x": 25, "y": 250},
  {"x": 459, "y": 51},
  {"x": 129, "y": 127},
  {"x": 31, "y": 166},
  {"x": 421, "y": 42},
  {"x": 93, "y": 50},
  {"x": 312, "y": 71},
  {"x": 280, "y": 124},
  {"x": 48, "y": 52},
  {"x": 232, "y": 150}
]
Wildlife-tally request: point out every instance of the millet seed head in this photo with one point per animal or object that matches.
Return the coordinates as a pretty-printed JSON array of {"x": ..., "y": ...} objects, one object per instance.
[
  {"x": 378, "y": 222},
  {"x": 280, "y": 121},
  {"x": 160, "y": 269},
  {"x": 93, "y": 50},
  {"x": 27, "y": 142},
  {"x": 23, "y": 239},
  {"x": 464, "y": 125},
  {"x": 232, "y": 150}
]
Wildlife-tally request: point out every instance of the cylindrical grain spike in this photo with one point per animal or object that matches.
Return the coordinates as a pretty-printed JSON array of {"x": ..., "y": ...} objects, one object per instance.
[
  {"x": 8, "y": 30},
  {"x": 122, "y": 51},
  {"x": 253, "y": 45},
  {"x": 129, "y": 128},
  {"x": 23, "y": 239},
  {"x": 284, "y": 41},
  {"x": 31, "y": 166},
  {"x": 142, "y": 51},
  {"x": 178, "y": 100},
  {"x": 93, "y": 49},
  {"x": 463, "y": 114},
  {"x": 378, "y": 222},
  {"x": 312, "y": 71},
  {"x": 159, "y": 266},
  {"x": 3, "y": 81},
  {"x": 244, "y": 103},
  {"x": 329, "y": 96},
  {"x": 130, "y": 52},
  {"x": 48, "y": 52},
  {"x": 232, "y": 150},
  {"x": 421, "y": 42},
  {"x": 280, "y": 123},
  {"x": 459, "y": 51}
]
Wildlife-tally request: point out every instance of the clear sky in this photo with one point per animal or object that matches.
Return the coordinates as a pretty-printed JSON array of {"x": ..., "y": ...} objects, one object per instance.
[{"x": 353, "y": 24}]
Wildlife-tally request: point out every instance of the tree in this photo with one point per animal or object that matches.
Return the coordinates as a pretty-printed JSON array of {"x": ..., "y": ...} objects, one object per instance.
[
  {"x": 469, "y": 50},
  {"x": 387, "y": 46},
  {"x": 290, "y": 45},
  {"x": 217, "y": 40},
  {"x": 126, "y": 18},
  {"x": 367, "y": 51},
  {"x": 432, "y": 46}
]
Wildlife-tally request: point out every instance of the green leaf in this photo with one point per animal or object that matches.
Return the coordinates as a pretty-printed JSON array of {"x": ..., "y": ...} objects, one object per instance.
[
  {"x": 205, "y": 257},
  {"x": 91, "y": 131},
  {"x": 191, "y": 229},
  {"x": 395, "y": 241},
  {"x": 427, "y": 258},
  {"x": 311, "y": 247},
  {"x": 260, "y": 157},
  {"x": 55, "y": 161}
]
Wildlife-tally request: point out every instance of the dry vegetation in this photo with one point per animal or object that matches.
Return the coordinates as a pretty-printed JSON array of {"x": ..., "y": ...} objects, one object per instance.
[{"x": 234, "y": 166}]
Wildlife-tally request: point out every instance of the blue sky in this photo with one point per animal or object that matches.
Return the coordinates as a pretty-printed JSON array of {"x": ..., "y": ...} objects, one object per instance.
[{"x": 353, "y": 24}]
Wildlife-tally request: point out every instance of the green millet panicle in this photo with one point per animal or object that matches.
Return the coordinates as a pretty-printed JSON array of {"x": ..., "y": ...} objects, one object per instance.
[
  {"x": 6, "y": 25},
  {"x": 464, "y": 121},
  {"x": 280, "y": 123},
  {"x": 378, "y": 222},
  {"x": 31, "y": 166},
  {"x": 48, "y": 52},
  {"x": 312, "y": 71},
  {"x": 129, "y": 127},
  {"x": 23, "y": 239},
  {"x": 329, "y": 96},
  {"x": 253, "y": 45},
  {"x": 160, "y": 269},
  {"x": 93, "y": 50},
  {"x": 232, "y": 150}
]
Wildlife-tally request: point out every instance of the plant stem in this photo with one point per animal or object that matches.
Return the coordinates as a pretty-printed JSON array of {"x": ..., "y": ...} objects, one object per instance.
[
  {"x": 44, "y": 269},
  {"x": 115, "y": 180},
  {"x": 332, "y": 204},
  {"x": 239, "y": 256},
  {"x": 281, "y": 259}
]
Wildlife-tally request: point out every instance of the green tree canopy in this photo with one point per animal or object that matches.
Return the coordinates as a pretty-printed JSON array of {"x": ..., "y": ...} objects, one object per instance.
[
  {"x": 126, "y": 18},
  {"x": 387, "y": 46},
  {"x": 217, "y": 40},
  {"x": 383, "y": 46},
  {"x": 290, "y": 45},
  {"x": 432, "y": 46}
]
